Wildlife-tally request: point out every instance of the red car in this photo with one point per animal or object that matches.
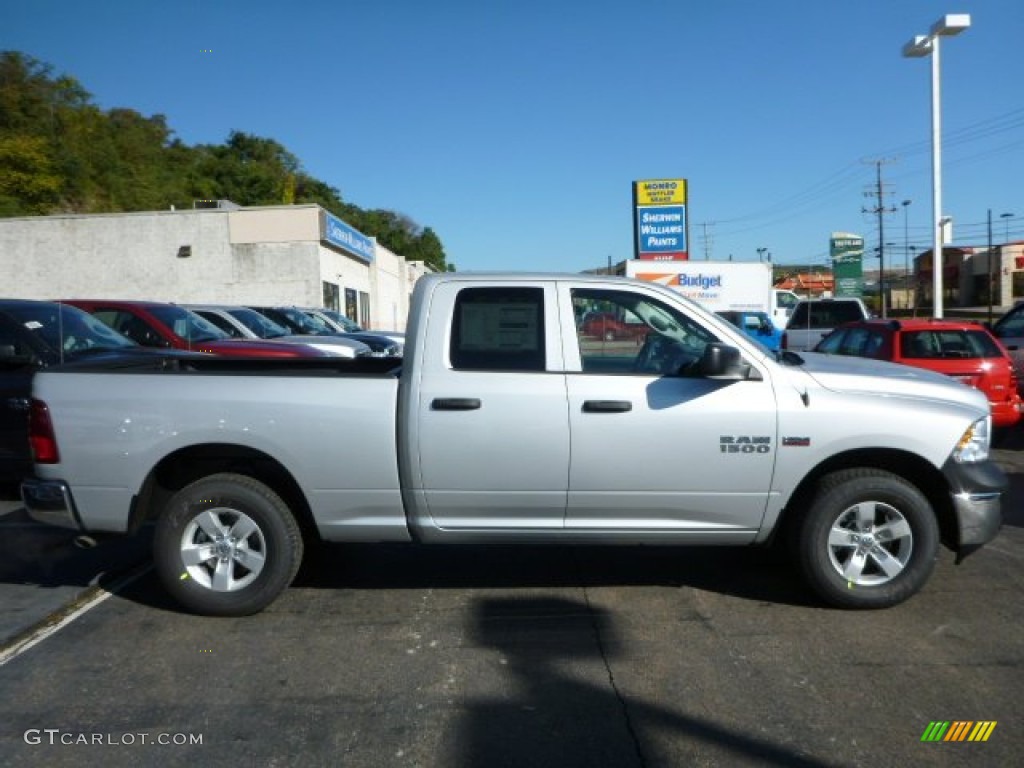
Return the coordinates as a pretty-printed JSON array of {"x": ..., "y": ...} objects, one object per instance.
[
  {"x": 154, "y": 324},
  {"x": 961, "y": 349},
  {"x": 607, "y": 326}
]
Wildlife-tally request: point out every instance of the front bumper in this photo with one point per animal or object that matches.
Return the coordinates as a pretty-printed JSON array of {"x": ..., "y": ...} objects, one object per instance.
[
  {"x": 976, "y": 491},
  {"x": 50, "y": 502}
]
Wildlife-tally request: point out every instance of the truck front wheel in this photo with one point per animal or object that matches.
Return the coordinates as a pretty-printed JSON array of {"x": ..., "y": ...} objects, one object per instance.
[
  {"x": 869, "y": 539},
  {"x": 226, "y": 545}
]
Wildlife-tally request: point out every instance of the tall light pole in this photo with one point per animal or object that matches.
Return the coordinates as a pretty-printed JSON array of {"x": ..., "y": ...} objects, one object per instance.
[
  {"x": 989, "y": 260},
  {"x": 919, "y": 46},
  {"x": 914, "y": 282},
  {"x": 760, "y": 253}
]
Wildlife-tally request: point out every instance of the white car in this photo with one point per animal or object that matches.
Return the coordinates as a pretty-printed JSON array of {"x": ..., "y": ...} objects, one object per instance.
[{"x": 245, "y": 323}]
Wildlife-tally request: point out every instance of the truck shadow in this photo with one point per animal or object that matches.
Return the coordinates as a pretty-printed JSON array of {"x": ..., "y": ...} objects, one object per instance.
[
  {"x": 40, "y": 555},
  {"x": 544, "y": 716},
  {"x": 753, "y": 574}
]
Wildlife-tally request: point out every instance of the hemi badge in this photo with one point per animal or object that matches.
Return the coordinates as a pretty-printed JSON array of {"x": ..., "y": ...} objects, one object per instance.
[{"x": 799, "y": 442}]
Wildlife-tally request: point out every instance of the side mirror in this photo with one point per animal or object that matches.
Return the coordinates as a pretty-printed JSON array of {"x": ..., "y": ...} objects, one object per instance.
[{"x": 722, "y": 362}]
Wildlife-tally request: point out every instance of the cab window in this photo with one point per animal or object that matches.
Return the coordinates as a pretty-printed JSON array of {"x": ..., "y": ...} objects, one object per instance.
[{"x": 498, "y": 329}]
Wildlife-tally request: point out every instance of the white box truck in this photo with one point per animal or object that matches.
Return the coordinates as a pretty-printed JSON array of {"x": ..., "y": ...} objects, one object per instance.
[{"x": 720, "y": 286}]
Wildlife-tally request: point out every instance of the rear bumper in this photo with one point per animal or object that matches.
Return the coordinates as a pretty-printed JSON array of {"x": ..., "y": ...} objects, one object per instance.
[
  {"x": 976, "y": 491},
  {"x": 50, "y": 502},
  {"x": 1006, "y": 414}
]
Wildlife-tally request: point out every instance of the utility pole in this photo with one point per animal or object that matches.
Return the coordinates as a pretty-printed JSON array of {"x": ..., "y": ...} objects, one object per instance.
[
  {"x": 880, "y": 210},
  {"x": 708, "y": 238}
]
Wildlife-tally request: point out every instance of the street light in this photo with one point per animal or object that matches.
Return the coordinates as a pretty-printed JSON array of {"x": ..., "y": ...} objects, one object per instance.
[
  {"x": 920, "y": 46},
  {"x": 906, "y": 250},
  {"x": 760, "y": 253},
  {"x": 1006, "y": 221}
]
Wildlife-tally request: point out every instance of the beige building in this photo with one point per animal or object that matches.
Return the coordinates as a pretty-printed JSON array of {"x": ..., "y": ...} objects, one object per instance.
[{"x": 291, "y": 255}]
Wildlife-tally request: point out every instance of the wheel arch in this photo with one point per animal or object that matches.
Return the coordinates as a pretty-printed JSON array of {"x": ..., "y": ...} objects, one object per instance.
[
  {"x": 194, "y": 462},
  {"x": 927, "y": 478}
]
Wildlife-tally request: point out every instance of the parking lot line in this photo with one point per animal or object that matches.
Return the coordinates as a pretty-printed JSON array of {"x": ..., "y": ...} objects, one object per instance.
[{"x": 52, "y": 624}]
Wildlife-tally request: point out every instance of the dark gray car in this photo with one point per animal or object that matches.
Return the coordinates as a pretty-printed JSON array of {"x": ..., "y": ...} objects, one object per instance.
[{"x": 34, "y": 335}]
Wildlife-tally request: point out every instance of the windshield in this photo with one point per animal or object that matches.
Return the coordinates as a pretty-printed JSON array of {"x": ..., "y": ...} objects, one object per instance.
[
  {"x": 188, "y": 325},
  {"x": 68, "y": 329},
  {"x": 259, "y": 324},
  {"x": 300, "y": 322},
  {"x": 347, "y": 323}
]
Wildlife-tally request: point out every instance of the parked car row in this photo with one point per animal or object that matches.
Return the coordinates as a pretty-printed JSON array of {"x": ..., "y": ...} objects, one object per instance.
[
  {"x": 308, "y": 323},
  {"x": 38, "y": 334},
  {"x": 248, "y": 324},
  {"x": 172, "y": 326}
]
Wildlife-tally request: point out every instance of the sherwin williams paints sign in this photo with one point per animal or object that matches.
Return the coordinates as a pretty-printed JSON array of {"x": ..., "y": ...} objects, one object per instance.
[
  {"x": 660, "y": 224},
  {"x": 341, "y": 235},
  {"x": 847, "y": 254}
]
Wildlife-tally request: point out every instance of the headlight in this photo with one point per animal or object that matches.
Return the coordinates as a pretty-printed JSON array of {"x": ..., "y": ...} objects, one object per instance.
[{"x": 974, "y": 444}]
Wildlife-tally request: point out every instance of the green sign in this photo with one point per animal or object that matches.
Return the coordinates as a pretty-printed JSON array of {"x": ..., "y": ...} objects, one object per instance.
[{"x": 847, "y": 254}]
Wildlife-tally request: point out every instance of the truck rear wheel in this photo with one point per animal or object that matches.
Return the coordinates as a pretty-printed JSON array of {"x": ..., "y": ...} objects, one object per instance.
[
  {"x": 226, "y": 545},
  {"x": 868, "y": 540}
]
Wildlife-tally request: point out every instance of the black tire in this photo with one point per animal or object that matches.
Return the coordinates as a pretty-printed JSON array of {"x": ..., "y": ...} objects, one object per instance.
[
  {"x": 226, "y": 545},
  {"x": 868, "y": 540}
]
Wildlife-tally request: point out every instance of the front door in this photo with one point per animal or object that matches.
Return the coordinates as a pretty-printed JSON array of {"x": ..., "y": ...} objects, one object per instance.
[{"x": 655, "y": 447}]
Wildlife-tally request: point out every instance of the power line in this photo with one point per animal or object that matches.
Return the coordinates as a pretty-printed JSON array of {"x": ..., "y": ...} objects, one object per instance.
[{"x": 833, "y": 185}]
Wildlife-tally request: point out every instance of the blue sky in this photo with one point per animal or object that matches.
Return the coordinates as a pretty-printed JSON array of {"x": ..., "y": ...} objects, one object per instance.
[{"x": 514, "y": 128}]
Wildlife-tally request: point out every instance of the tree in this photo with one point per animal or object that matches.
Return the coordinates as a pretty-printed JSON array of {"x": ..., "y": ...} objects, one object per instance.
[
  {"x": 60, "y": 152},
  {"x": 28, "y": 184}
]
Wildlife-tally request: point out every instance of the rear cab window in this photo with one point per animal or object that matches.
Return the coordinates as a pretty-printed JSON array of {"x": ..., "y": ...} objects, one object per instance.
[
  {"x": 825, "y": 314},
  {"x": 498, "y": 329}
]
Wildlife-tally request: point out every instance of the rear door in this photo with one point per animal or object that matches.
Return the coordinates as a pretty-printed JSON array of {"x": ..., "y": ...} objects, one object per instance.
[
  {"x": 654, "y": 448},
  {"x": 490, "y": 424}
]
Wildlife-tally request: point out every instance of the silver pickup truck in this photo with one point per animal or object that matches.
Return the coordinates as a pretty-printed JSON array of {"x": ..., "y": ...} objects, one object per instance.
[{"x": 510, "y": 419}]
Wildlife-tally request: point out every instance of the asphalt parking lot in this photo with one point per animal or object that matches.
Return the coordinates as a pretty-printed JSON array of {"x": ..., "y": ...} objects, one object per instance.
[{"x": 502, "y": 656}]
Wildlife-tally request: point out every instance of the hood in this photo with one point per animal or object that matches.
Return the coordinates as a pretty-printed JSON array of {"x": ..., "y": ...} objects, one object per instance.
[
  {"x": 255, "y": 348},
  {"x": 840, "y": 373}
]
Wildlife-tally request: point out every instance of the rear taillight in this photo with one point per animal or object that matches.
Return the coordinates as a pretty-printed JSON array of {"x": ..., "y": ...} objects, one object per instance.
[{"x": 40, "y": 434}]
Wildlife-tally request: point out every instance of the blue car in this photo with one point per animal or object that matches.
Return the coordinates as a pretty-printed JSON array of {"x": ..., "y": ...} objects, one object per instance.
[{"x": 757, "y": 325}]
